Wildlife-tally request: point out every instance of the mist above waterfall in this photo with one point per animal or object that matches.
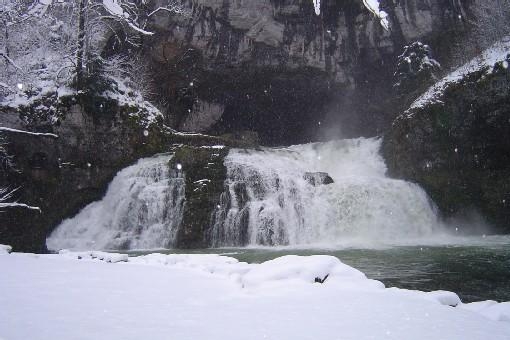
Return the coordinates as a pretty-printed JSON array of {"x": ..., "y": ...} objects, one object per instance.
[{"x": 270, "y": 202}]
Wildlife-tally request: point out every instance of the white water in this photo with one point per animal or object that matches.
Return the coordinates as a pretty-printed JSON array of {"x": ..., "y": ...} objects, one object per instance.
[
  {"x": 142, "y": 209},
  {"x": 270, "y": 203}
]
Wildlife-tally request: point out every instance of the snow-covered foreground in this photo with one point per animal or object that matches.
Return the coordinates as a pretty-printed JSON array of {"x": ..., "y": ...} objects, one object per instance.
[{"x": 79, "y": 296}]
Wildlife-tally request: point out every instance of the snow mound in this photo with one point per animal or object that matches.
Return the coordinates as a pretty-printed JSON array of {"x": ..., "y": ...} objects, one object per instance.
[
  {"x": 490, "y": 309},
  {"x": 5, "y": 249},
  {"x": 309, "y": 269},
  {"x": 488, "y": 58},
  {"x": 96, "y": 255},
  {"x": 444, "y": 297},
  {"x": 209, "y": 263},
  {"x": 282, "y": 271}
]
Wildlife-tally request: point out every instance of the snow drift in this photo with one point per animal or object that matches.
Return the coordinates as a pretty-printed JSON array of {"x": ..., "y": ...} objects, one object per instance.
[{"x": 215, "y": 297}]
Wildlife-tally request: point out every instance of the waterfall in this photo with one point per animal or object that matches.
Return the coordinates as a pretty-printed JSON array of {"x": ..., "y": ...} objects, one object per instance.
[
  {"x": 273, "y": 197},
  {"x": 142, "y": 209},
  {"x": 324, "y": 194}
]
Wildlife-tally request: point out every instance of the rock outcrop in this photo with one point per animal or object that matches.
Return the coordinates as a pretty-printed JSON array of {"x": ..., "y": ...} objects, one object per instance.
[
  {"x": 457, "y": 147},
  {"x": 205, "y": 173}
]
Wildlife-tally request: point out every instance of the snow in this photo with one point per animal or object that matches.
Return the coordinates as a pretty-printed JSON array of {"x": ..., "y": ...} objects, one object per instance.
[
  {"x": 371, "y": 5},
  {"x": 374, "y": 7},
  {"x": 202, "y": 181},
  {"x": 317, "y": 6},
  {"x": 18, "y": 205},
  {"x": 488, "y": 58},
  {"x": 213, "y": 147},
  {"x": 215, "y": 297},
  {"x": 99, "y": 255},
  {"x": 2, "y": 128},
  {"x": 445, "y": 298},
  {"x": 113, "y": 7},
  {"x": 126, "y": 96},
  {"x": 490, "y": 309},
  {"x": 5, "y": 249},
  {"x": 291, "y": 269}
]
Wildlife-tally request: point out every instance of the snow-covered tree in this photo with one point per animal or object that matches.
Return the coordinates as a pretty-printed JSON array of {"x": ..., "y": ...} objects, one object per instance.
[
  {"x": 47, "y": 44},
  {"x": 416, "y": 68},
  {"x": 6, "y": 163},
  {"x": 7, "y": 194},
  {"x": 123, "y": 19}
]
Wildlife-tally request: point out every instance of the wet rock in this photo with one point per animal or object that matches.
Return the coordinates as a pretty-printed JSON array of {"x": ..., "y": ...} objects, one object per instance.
[
  {"x": 205, "y": 173},
  {"x": 318, "y": 178}
]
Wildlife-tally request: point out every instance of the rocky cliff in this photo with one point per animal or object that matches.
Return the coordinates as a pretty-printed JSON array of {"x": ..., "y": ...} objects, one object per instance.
[
  {"x": 456, "y": 146},
  {"x": 275, "y": 66}
]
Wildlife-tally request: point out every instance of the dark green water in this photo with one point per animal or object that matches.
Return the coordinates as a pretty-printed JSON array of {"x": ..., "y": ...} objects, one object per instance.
[{"x": 480, "y": 271}]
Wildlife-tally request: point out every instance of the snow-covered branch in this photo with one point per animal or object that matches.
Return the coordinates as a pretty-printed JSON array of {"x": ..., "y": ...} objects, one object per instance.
[
  {"x": 6, "y": 195},
  {"x": 173, "y": 8},
  {"x": 52, "y": 135},
  {"x": 18, "y": 205},
  {"x": 138, "y": 29},
  {"x": 7, "y": 87},
  {"x": 10, "y": 61}
]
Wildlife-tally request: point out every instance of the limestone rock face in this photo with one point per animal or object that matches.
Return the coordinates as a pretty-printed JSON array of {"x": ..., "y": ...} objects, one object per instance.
[
  {"x": 203, "y": 116},
  {"x": 346, "y": 45}
]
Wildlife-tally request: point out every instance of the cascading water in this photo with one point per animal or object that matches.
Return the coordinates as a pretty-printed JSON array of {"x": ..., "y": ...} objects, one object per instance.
[
  {"x": 323, "y": 194},
  {"x": 275, "y": 197},
  {"x": 142, "y": 209}
]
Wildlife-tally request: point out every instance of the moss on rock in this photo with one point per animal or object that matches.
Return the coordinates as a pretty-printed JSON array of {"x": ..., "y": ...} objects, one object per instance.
[{"x": 205, "y": 174}]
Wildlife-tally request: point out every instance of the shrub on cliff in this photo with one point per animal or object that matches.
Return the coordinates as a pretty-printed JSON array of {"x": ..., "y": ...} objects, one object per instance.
[{"x": 416, "y": 69}]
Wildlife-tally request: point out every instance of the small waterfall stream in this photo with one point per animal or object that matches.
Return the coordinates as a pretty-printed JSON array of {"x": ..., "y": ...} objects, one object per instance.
[
  {"x": 272, "y": 201},
  {"x": 313, "y": 194},
  {"x": 142, "y": 209}
]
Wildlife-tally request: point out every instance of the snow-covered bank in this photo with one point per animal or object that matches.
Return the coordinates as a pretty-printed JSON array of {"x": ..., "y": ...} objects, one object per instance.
[
  {"x": 214, "y": 297},
  {"x": 497, "y": 52}
]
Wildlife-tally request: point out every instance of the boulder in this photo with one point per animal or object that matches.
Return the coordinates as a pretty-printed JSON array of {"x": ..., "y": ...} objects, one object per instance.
[{"x": 318, "y": 178}]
